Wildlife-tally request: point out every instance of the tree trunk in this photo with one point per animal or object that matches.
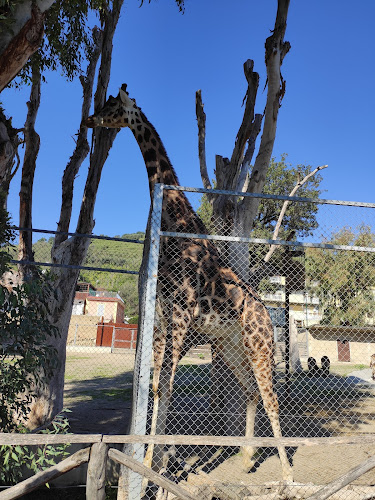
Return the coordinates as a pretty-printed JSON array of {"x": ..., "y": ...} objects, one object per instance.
[
  {"x": 232, "y": 216},
  {"x": 9, "y": 142},
  {"x": 32, "y": 140},
  {"x": 71, "y": 251},
  {"x": 22, "y": 39},
  {"x": 49, "y": 400}
]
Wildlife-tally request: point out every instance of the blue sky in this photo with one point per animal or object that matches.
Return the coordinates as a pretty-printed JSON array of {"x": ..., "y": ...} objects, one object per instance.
[{"x": 164, "y": 57}]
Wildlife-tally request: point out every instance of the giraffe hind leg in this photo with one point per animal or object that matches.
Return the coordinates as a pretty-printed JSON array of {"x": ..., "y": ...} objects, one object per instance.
[
  {"x": 271, "y": 406},
  {"x": 248, "y": 452}
]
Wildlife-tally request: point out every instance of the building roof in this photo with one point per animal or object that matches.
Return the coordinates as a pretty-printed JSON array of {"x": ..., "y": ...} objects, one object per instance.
[{"x": 92, "y": 298}]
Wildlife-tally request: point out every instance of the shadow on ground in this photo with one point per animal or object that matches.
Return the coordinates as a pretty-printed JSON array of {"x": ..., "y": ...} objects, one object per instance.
[
  {"x": 309, "y": 407},
  {"x": 100, "y": 405}
]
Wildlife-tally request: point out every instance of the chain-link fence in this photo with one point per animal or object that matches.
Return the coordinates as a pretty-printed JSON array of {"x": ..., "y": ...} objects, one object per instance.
[
  {"x": 103, "y": 328},
  {"x": 224, "y": 318},
  {"x": 291, "y": 315}
]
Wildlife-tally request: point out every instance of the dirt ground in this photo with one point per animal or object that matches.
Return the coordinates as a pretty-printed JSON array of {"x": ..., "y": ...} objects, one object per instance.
[{"x": 102, "y": 405}]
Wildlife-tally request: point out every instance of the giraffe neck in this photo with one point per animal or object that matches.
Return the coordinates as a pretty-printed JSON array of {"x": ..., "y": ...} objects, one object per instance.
[
  {"x": 178, "y": 214},
  {"x": 158, "y": 165}
]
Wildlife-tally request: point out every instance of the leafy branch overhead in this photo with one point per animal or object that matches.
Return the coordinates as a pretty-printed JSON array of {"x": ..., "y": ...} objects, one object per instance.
[{"x": 67, "y": 41}]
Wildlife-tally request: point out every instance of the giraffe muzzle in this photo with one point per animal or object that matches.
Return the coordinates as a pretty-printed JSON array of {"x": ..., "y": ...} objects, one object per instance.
[{"x": 92, "y": 122}]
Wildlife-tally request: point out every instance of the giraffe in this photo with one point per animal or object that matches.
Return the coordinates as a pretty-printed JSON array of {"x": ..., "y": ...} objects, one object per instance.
[{"x": 197, "y": 293}]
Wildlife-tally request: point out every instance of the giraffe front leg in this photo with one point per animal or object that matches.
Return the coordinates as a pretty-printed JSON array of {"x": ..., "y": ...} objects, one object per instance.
[{"x": 159, "y": 356}]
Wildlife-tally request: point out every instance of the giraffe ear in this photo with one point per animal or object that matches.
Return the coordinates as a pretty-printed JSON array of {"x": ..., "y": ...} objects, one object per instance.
[{"x": 123, "y": 96}]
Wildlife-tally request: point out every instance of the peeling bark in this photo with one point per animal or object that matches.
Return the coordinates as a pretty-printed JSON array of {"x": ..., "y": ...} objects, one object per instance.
[{"x": 15, "y": 55}]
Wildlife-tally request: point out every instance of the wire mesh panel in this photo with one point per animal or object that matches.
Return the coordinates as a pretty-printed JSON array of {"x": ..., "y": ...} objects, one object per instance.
[
  {"x": 254, "y": 335},
  {"x": 102, "y": 331}
]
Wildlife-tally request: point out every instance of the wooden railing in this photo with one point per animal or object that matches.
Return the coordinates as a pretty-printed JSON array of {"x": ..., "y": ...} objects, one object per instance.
[{"x": 98, "y": 452}]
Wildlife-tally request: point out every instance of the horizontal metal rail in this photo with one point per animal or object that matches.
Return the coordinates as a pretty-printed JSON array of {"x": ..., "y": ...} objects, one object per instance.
[
  {"x": 239, "y": 239},
  {"x": 78, "y": 235},
  {"x": 67, "y": 266},
  {"x": 270, "y": 196}
]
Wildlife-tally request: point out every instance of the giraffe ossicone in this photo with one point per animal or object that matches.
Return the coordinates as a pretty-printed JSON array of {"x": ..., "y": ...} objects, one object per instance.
[{"x": 203, "y": 296}]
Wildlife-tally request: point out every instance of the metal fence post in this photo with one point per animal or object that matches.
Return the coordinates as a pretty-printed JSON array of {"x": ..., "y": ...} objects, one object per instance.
[
  {"x": 75, "y": 334},
  {"x": 145, "y": 342},
  {"x": 113, "y": 338}
]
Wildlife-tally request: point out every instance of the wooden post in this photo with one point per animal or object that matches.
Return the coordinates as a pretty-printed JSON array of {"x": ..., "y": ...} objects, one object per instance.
[
  {"x": 31, "y": 484},
  {"x": 139, "y": 468},
  {"x": 96, "y": 472}
]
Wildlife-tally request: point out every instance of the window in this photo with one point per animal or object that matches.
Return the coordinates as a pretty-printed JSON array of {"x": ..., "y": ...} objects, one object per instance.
[{"x": 100, "y": 310}]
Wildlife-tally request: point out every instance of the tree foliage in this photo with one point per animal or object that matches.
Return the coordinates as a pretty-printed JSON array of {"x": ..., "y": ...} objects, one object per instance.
[
  {"x": 299, "y": 217},
  {"x": 67, "y": 39},
  {"x": 27, "y": 361},
  {"x": 344, "y": 280},
  {"x": 281, "y": 178}
]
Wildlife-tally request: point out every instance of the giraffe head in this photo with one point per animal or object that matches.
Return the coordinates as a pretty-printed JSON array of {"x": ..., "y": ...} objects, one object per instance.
[{"x": 117, "y": 112}]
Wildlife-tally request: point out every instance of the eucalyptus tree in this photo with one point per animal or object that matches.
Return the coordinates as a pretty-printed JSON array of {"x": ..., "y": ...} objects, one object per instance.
[
  {"x": 239, "y": 216},
  {"x": 68, "y": 43},
  {"x": 21, "y": 34}
]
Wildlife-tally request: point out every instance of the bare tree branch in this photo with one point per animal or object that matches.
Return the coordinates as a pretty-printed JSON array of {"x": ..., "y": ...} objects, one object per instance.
[
  {"x": 201, "y": 120},
  {"x": 32, "y": 141},
  {"x": 243, "y": 179},
  {"x": 246, "y": 127},
  {"x": 285, "y": 206},
  {"x": 82, "y": 147},
  {"x": 228, "y": 172},
  {"x": 276, "y": 49},
  {"x": 103, "y": 138}
]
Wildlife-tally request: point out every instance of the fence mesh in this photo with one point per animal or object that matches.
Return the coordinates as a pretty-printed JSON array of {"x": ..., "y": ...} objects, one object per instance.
[{"x": 315, "y": 286}]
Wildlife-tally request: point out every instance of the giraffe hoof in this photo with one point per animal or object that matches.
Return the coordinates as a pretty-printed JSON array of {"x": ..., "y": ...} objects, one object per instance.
[
  {"x": 249, "y": 465},
  {"x": 250, "y": 461},
  {"x": 288, "y": 478}
]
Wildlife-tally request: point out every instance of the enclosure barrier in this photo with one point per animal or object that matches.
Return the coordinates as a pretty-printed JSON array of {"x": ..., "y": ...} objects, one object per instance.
[
  {"x": 319, "y": 290},
  {"x": 98, "y": 452}
]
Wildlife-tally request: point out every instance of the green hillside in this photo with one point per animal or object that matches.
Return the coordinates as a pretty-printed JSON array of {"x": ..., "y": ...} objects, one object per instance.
[{"x": 119, "y": 255}]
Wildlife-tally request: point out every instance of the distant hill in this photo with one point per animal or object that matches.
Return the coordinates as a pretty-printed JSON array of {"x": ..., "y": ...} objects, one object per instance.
[{"x": 107, "y": 254}]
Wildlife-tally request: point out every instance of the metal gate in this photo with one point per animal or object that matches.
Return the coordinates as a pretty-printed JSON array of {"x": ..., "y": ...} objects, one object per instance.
[{"x": 311, "y": 301}]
